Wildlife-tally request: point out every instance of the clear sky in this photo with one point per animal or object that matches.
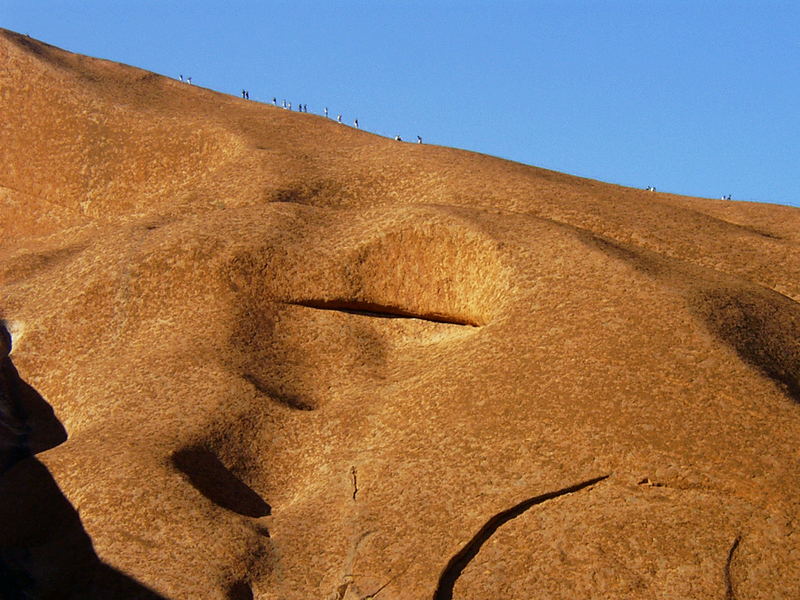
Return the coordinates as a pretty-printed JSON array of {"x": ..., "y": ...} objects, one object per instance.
[{"x": 696, "y": 97}]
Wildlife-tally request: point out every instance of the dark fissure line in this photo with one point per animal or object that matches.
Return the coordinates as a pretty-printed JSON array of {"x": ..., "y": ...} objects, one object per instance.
[
  {"x": 729, "y": 592},
  {"x": 460, "y": 560},
  {"x": 354, "y": 475},
  {"x": 382, "y": 311}
]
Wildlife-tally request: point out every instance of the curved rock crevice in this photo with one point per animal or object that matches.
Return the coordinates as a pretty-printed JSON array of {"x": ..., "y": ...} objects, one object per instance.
[
  {"x": 730, "y": 592},
  {"x": 386, "y": 311},
  {"x": 459, "y": 561}
]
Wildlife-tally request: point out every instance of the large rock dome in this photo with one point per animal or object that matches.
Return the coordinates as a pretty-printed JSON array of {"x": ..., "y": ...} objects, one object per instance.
[{"x": 251, "y": 353}]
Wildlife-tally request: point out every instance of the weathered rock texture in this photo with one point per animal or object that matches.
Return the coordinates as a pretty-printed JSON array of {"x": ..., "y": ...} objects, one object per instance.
[{"x": 257, "y": 354}]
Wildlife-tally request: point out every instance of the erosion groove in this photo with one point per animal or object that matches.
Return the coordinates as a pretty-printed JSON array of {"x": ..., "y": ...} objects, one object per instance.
[
  {"x": 385, "y": 311},
  {"x": 460, "y": 560},
  {"x": 292, "y": 402},
  {"x": 729, "y": 591}
]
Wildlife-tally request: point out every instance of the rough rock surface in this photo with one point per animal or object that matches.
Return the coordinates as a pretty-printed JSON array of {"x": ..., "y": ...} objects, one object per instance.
[{"x": 250, "y": 353}]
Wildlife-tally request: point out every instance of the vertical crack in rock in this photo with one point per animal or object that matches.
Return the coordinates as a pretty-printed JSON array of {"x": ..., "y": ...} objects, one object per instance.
[
  {"x": 730, "y": 593},
  {"x": 460, "y": 560},
  {"x": 354, "y": 477}
]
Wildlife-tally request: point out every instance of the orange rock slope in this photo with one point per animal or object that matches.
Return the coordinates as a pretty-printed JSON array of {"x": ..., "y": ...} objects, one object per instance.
[{"x": 250, "y": 353}]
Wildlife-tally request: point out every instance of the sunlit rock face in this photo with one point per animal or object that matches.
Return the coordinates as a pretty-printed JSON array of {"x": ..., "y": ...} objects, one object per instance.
[{"x": 249, "y": 353}]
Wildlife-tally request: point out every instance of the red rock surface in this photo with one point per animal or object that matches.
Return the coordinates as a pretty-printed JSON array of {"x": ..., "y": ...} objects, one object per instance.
[{"x": 258, "y": 354}]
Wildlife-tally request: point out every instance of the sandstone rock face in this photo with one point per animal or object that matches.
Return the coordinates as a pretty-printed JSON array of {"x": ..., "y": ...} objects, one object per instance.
[{"x": 249, "y": 353}]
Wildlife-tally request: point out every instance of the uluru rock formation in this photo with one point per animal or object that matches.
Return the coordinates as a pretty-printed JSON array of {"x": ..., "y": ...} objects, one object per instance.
[{"x": 250, "y": 353}]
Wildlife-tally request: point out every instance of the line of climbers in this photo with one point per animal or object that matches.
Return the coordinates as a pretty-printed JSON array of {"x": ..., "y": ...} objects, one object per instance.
[
  {"x": 304, "y": 108},
  {"x": 300, "y": 108},
  {"x": 651, "y": 188}
]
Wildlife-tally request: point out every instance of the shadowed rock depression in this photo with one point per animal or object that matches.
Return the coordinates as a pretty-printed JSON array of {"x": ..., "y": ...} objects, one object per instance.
[{"x": 212, "y": 479}]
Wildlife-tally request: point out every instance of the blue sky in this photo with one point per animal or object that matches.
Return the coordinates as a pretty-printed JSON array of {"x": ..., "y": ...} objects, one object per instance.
[{"x": 693, "y": 97}]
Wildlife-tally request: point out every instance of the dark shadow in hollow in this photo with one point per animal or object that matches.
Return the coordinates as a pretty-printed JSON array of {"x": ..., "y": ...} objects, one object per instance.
[
  {"x": 763, "y": 327},
  {"x": 240, "y": 590},
  {"x": 215, "y": 481},
  {"x": 45, "y": 552}
]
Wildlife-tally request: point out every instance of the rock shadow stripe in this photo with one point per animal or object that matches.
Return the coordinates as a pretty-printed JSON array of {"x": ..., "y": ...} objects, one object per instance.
[
  {"x": 460, "y": 560},
  {"x": 45, "y": 552},
  {"x": 28, "y": 424}
]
